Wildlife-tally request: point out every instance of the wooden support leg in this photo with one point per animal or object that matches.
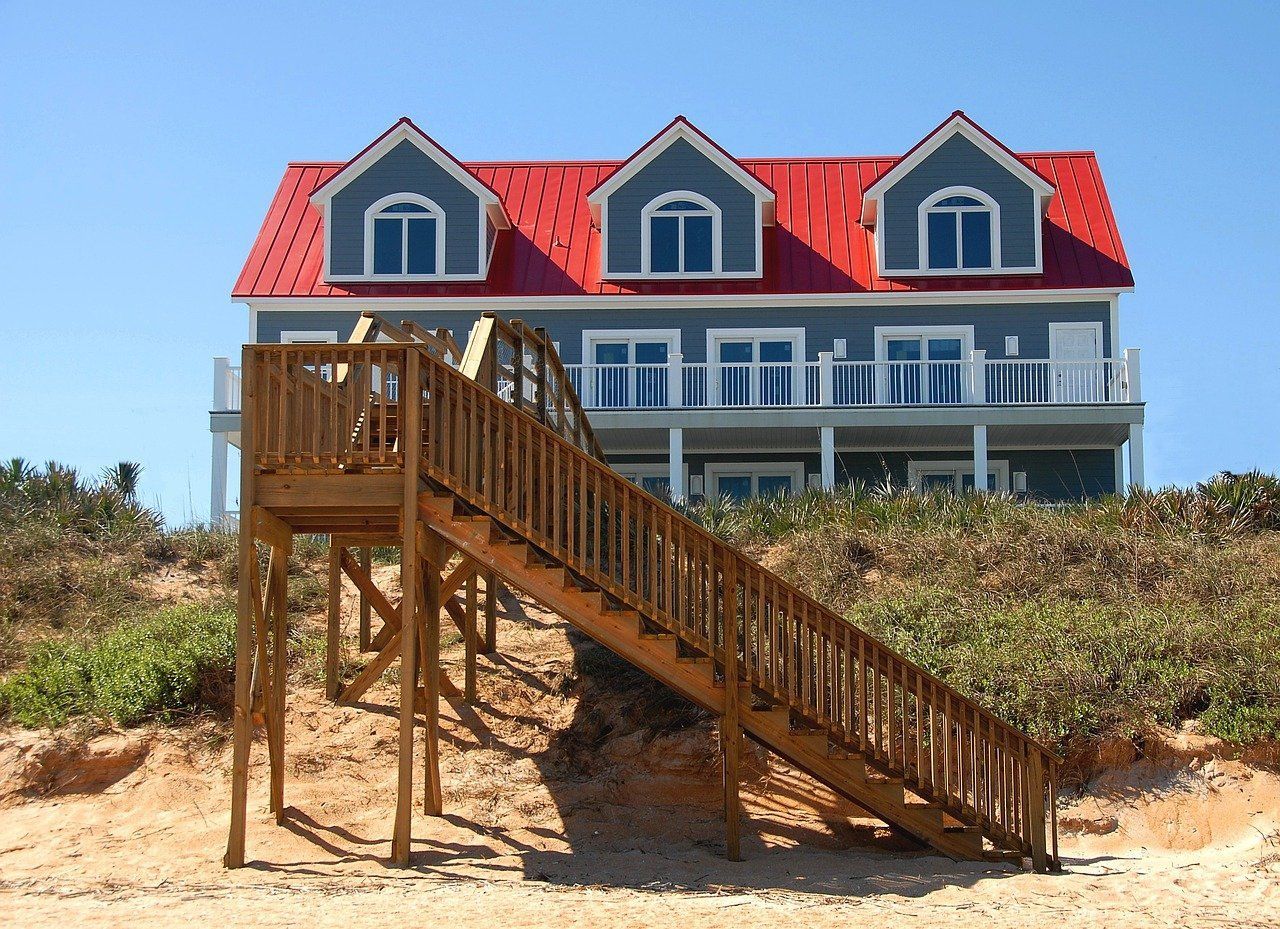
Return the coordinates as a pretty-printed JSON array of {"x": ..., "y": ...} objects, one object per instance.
[
  {"x": 1036, "y": 811},
  {"x": 410, "y": 584},
  {"x": 333, "y": 643},
  {"x": 469, "y": 635},
  {"x": 279, "y": 656},
  {"x": 366, "y": 613},
  {"x": 242, "y": 730},
  {"x": 490, "y": 613},
  {"x": 432, "y": 795},
  {"x": 730, "y": 727}
]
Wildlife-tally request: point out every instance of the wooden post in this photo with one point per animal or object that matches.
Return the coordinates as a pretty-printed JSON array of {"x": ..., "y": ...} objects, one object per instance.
[
  {"x": 279, "y": 659},
  {"x": 469, "y": 638},
  {"x": 730, "y": 729},
  {"x": 1035, "y": 809},
  {"x": 333, "y": 644},
  {"x": 241, "y": 723},
  {"x": 411, "y": 431},
  {"x": 540, "y": 372},
  {"x": 366, "y": 614},
  {"x": 517, "y": 364},
  {"x": 490, "y": 613},
  {"x": 434, "y": 558}
]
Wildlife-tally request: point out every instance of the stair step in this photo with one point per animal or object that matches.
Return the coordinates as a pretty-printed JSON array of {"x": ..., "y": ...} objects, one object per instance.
[
  {"x": 1002, "y": 855},
  {"x": 658, "y": 636}
]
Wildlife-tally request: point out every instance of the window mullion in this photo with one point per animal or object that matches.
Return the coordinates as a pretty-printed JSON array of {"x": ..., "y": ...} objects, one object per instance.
[
  {"x": 680, "y": 240},
  {"x": 404, "y": 246}
]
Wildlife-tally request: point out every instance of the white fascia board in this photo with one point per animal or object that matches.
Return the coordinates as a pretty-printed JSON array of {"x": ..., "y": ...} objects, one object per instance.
[
  {"x": 956, "y": 125},
  {"x": 687, "y": 301}
]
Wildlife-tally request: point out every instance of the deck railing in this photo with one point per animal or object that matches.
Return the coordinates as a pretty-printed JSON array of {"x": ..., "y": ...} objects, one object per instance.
[
  {"x": 535, "y": 478},
  {"x": 830, "y": 383}
]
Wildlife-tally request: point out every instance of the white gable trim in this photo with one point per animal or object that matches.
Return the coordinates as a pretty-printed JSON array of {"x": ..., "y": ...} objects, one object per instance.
[
  {"x": 406, "y": 132},
  {"x": 679, "y": 130},
  {"x": 957, "y": 125}
]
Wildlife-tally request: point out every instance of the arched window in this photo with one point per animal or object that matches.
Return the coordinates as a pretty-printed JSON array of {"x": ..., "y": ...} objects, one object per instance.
[
  {"x": 960, "y": 229},
  {"x": 404, "y": 237},
  {"x": 680, "y": 234}
]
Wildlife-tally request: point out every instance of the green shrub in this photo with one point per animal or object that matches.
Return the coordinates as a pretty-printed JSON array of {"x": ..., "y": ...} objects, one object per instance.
[{"x": 175, "y": 661}]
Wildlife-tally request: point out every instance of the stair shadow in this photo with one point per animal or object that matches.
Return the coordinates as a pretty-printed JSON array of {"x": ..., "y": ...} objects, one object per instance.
[{"x": 646, "y": 824}]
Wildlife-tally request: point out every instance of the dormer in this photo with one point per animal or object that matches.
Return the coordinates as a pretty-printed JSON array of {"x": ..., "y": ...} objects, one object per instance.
[
  {"x": 958, "y": 204},
  {"x": 404, "y": 209},
  {"x": 681, "y": 208}
]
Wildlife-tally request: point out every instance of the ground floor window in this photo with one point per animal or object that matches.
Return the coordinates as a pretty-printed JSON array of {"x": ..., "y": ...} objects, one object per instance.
[
  {"x": 740, "y": 480},
  {"x": 955, "y": 476},
  {"x": 654, "y": 478}
]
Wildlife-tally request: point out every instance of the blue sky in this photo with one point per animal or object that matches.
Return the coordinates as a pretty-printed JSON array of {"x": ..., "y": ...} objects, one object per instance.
[{"x": 140, "y": 144}]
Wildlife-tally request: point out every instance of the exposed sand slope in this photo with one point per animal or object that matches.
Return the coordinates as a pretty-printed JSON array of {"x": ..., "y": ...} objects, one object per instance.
[{"x": 562, "y": 810}]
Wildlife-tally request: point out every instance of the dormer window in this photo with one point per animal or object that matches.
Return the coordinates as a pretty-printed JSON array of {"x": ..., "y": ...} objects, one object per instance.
[
  {"x": 959, "y": 230},
  {"x": 680, "y": 235},
  {"x": 404, "y": 237}
]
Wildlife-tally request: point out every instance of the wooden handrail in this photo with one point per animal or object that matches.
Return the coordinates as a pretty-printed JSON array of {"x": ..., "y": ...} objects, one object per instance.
[
  {"x": 504, "y": 460},
  {"x": 510, "y": 459}
]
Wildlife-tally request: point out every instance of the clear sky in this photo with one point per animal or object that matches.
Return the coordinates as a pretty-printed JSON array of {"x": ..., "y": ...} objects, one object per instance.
[{"x": 141, "y": 143}]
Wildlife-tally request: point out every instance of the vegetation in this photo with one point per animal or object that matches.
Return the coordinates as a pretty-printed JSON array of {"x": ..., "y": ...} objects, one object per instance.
[
  {"x": 174, "y": 661},
  {"x": 1076, "y": 622}
]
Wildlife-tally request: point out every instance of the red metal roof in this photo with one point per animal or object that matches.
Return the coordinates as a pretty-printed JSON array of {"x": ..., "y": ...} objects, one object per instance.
[{"x": 817, "y": 246}]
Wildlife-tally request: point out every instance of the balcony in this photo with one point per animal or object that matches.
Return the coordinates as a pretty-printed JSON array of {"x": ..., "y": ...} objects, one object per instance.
[{"x": 828, "y": 383}]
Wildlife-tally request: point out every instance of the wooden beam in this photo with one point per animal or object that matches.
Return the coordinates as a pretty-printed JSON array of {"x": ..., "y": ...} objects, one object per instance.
[
  {"x": 373, "y": 670},
  {"x": 271, "y": 529},
  {"x": 432, "y": 799},
  {"x": 366, "y": 612},
  {"x": 279, "y": 581},
  {"x": 241, "y": 723},
  {"x": 351, "y": 492},
  {"x": 490, "y": 613},
  {"x": 410, "y": 391},
  {"x": 377, "y": 599},
  {"x": 469, "y": 639},
  {"x": 457, "y": 577},
  {"x": 333, "y": 643}
]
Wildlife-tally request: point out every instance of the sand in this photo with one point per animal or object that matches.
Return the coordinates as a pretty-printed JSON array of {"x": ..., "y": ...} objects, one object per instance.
[{"x": 562, "y": 809}]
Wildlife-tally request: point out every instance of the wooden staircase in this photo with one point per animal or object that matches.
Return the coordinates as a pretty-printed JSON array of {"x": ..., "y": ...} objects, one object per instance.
[
  {"x": 662, "y": 655},
  {"x": 497, "y": 460}
]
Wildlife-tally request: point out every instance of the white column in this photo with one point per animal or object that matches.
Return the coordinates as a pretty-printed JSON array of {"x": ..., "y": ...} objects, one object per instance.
[
  {"x": 978, "y": 376},
  {"x": 826, "y": 380},
  {"x": 676, "y": 464},
  {"x": 675, "y": 388},
  {"x": 1120, "y": 486},
  {"x": 218, "y": 463},
  {"x": 828, "y": 436},
  {"x": 1134, "y": 373},
  {"x": 1137, "y": 467},
  {"x": 980, "y": 458}
]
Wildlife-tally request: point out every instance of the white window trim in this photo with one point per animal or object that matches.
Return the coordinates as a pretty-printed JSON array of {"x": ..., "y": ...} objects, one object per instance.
[
  {"x": 592, "y": 336},
  {"x": 795, "y": 335},
  {"x": 930, "y": 205},
  {"x": 635, "y": 472},
  {"x": 436, "y": 213},
  {"x": 916, "y": 469},
  {"x": 712, "y": 470},
  {"x": 291, "y": 336},
  {"x": 885, "y": 333},
  {"x": 646, "y": 236},
  {"x": 1095, "y": 325}
]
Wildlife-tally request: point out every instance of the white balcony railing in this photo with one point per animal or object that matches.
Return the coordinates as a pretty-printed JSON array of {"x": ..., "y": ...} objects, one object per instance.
[
  {"x": 226, "y": 385},
  {"x": 831, "y": 383}
]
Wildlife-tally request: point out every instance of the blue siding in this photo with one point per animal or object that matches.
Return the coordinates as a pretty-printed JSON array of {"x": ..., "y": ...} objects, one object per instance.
[
  {"x": 855, "y": 324},
  {"x": 959, "y": 162},
  {"x": 682, "y": 167},
  {"x": 405, "y": 169}
]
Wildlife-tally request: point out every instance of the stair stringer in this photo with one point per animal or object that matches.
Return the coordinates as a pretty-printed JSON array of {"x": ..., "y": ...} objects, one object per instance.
[{"x": 618, "y": 630}]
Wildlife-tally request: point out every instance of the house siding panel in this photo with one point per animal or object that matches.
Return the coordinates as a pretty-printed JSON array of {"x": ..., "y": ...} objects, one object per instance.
[
  {"x": 405, "y": 169},
  {"x": 822, "y": 325},
  {"x": 958, "y": 162},
  {"x": 682, "y": 167}
]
